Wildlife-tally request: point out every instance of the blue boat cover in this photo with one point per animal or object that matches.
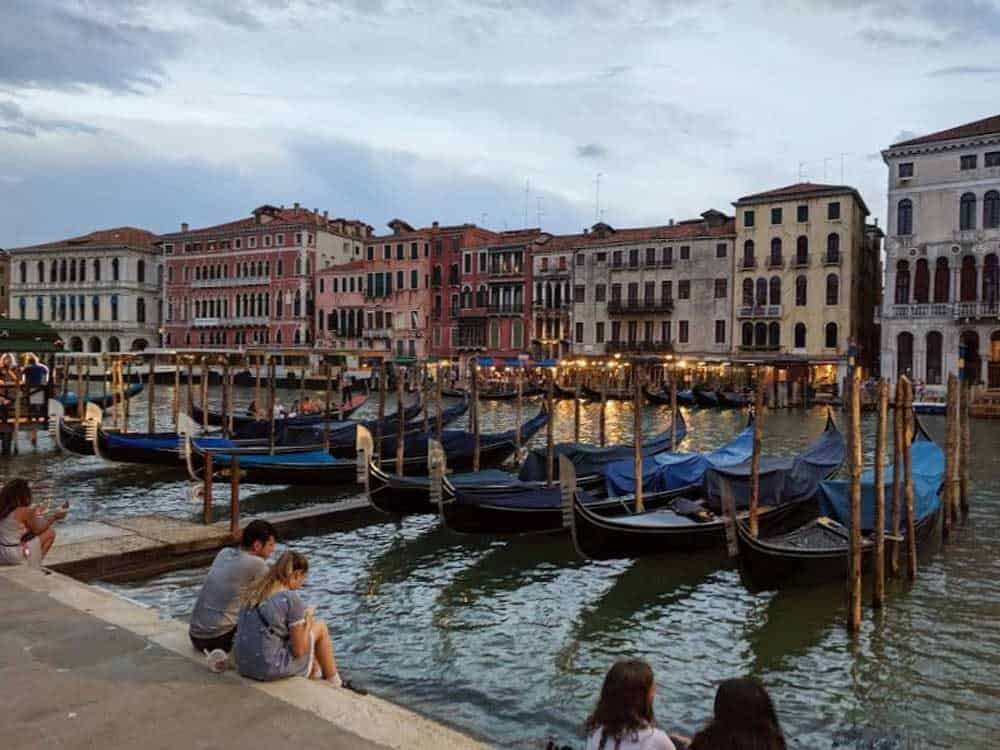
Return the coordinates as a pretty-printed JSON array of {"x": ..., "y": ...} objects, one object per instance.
[
  {"x": 155, "y": 442},
  {"x": 675, "y": 471},
  {"x": 685, "y": 397},
  {"x": 592, "y": 459},
  {"x": 783, "y": 479},
  {"x": 311, "y": 459},
  {"x": 928, "y": 475},
  {"x": 70, "y": 399}
]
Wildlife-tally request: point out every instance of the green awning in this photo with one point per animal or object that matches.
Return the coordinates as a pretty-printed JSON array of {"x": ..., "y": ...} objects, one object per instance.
[{"x": 28, "y": 336}]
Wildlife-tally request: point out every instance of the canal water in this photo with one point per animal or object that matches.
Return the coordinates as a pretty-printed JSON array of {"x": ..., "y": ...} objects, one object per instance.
[{"x": 509, "y": 639}]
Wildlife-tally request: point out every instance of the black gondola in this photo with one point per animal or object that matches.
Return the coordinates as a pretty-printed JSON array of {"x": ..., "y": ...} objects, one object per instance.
[
  {"x": 560, "y": 392},
  {"x": 706, "y": 398},
  {"x": 248, "y": 426},
  {"x": 613, "y": 394},
  {"x": 733, "y": 399},
  {"x": 817, "y": 552}
]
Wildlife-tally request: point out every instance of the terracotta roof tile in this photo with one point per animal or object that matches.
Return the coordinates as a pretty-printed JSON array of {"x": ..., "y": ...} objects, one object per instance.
[
  {"x": 281, "y": 217},
  {"x": 986, "y": 126},
  {"x": 129, "y": 236},
  {"x": 688, "y": 229},
  {"x": 799, "y": 188}
]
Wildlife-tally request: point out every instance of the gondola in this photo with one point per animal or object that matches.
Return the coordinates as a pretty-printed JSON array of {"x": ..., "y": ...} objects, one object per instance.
[
  {"x": 930, "y": 407},
  {"x": 504, "y": 504},
  {"x": 560, "y": 392},
  {"x": 613, "y": 394},
  {"x": 71, "y": 435},
  {"x": 454, "y": 393},
  {"x": 733, "y": 399},
  {"x": 248, "y": 426},
  {"x": 817, "y": 551},
  {"x": 657, "y": 398},
  {"x": 70, "y": 398},
  {"x": 708, "y": 399},
  {"x": 686, "y": 525},
  {"x": 318, "y": 467},
  {"x": 509, "y": 394},
  {"x": 686, "y": 398}
]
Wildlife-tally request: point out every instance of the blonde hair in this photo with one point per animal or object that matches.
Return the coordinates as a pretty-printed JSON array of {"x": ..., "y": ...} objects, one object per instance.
[{"x": 280, "y": 574}]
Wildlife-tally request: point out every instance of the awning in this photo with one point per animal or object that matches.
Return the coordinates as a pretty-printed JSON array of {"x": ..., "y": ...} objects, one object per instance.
[
  {"x": 21, "y": 336},
  {"x": 484, "y": 361},
  {"x": 547, "y": 363}
]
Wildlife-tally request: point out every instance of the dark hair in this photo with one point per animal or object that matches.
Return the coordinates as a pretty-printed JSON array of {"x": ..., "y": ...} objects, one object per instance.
[
  {"x": 626, "y": 703},
  {"x": 744, "y": 719},
  {"x": 257, "y": 531},
  {"x": 15, "y": 494}
]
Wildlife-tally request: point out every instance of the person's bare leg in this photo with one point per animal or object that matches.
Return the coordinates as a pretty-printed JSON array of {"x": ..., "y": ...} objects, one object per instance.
[
  {"x": 323, "y": 649},
  {"x": 47, "y": 539}
]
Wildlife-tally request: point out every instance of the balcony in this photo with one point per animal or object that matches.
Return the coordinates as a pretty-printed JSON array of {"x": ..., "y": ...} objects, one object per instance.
[
  {"x": 976, "y": 310},
  {"x": 639, "y": 347},
  {"x": 471, "y": 340},
  {"x": 552, "y": 311},
  {"x": 550, "y": 273},
  {"x": 760, "y": 311},
  {"x": 506, "y": 271},
  {"x": 830, "y": 259},
  {"x": 378, "y": 333},
  {"x": 206, "y": 322},
  {"x": 919, "y": 310},
  {"x": 760, "y": 347},
  {"x": 640, "y": 307},
  {"x": 800, "y": 261},
  {"x": 775, "y": 262},
  {"x": 248, "y": 320},
  {"x": 229, "y": 283},
  {"x": 506, "y": 308},
  {"x": 748, "y": 264}
]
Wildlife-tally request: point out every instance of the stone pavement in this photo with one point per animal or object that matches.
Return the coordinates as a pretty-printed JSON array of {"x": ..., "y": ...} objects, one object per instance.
[{"x": 83, "y": 668}]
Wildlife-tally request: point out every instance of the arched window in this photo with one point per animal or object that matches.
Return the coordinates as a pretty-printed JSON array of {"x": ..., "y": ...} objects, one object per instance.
[
  {"x": 775, "y": 290},
  {"x": 904, "y": 354},
  {"x": 114, "y": 345},
  {"x": 748, "y": 292},
  {"x": 761, "y": 292},
  {"x": 748, "y": 254},
  {"x": 297, "y": 304},
  {"x": 802, "y": 251},
  {"x": 97, "y": 269},
  {"x": 747, "y": 334},
  {"x": 24, "y": 272},
  {"x": 902, "y": 283},
  {"x": 800, "y": 335},
  {"x": 991, "y": 210},
  {"x": 775, "y": 258},
  {"x": 774, "y": 335},
  {"x": 140, "y": 272},
  {"x": 40, "y": 270},
  {"x": 904, "y": 217},
  {"x": 934, "y": 341},
  {"x": 760, "y": 334},
  {"x": 140, "y": 310},
  {"x": 967, "y": 280},
  {"x": 831, "y": 335},
  {"x": 62, "y": 271},
  {"x": 832, "y": 289},
  {"x": 967, "y": 211},
  {"x": 114, "y": 269},
  {"x": 801, "y": 286},
  {"x": 922, "y": 282},
  {"x": 942, "y": 281},
  {"x": 72, "y": 269},
  {"x": 991, "y": 279},
  {"x": 833, "y": 248}
]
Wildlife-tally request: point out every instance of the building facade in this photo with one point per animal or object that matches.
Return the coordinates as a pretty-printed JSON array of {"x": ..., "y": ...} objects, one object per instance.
[
  {"x": 4, "y": 283},
  {"x": 804, "y": 266},
  {"x": 656, "y": 290},
  {"x": 552, "y": 297},
  {"x": 252, "y": 281},
  {"x": 942, "y": 284},
  {"x": 340, "y": 307},
  {"x": 101, "y": 291}
]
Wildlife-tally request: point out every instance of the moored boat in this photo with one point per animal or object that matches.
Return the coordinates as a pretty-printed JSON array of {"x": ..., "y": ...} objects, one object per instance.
[
  {"x": 705, "y": 398},
  {"x": 250, "y": 426},
  {"x": 103, "y": 400}
]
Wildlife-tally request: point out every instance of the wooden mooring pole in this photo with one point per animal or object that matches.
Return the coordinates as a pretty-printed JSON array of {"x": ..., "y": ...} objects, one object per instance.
[
  {"x": 176, "y": 405},
  {"x": 151, "y": 397},
  {"x": 272, "y": 376},
  {"x": 81, "y": 399},
  {"x": 379, "y": 431},
  {"x": 673, "y": 413},
  {"x": 952, "y": 430},
  {"x": 576, "y": 408},
  {"x": 881, "y": 428},
  {"x": 401, "y": 428},
  {"x": 204, "y": 393},
  {"x": 474, "y": 413},
  {"x": 911, "y": 532},
  {"x": 604, "y": 407},
  {"x": 897, "y": 477},
  {"x": 637, "y": 436},
  {"x": 550, "y": 454},
  {"x": 206, "y": 510},
  {"x": 234, "y": 496},
  {"x": 854, "y": 469},
  {"x": 438, "y": 426},
  {"x": 966, "y": 446},
  {"x": 758, "y": 401}
]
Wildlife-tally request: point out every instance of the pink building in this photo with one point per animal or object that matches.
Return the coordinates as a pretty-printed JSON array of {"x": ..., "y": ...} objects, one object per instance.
[
  {"x": 251, "y": 281},
  {"x": 340, "y": 306}
]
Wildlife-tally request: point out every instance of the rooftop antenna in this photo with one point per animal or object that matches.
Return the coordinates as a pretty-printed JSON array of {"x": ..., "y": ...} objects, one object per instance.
[
  {"x": 842, "y": 155},
  {"x": 482, "y": 219},
  {"x": 597, "y": 196},
  {"x": 802, "y": 171},
  {"x": 527, "y": 197},
  {"x": 540, "y": 212}
]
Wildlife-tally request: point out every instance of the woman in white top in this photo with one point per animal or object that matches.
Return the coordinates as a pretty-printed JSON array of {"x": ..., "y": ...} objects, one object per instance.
[
  {"x": 26, "y": 535},
  {"x": 623, "y": 718}
]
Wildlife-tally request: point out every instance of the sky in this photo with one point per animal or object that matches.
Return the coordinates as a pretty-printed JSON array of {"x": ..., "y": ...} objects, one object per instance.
[{"x": 504, "y": 113}]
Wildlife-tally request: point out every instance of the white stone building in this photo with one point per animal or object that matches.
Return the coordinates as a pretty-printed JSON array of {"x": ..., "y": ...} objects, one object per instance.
[
  {"x": 101, "y": 291},
  {"x": 942, "y": 284}
]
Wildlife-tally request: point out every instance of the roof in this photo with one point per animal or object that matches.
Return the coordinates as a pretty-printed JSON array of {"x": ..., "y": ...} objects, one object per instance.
[
  {"x": 801, "y": 190},
  {"x": 119, "y": 236},
  {"x": 688, "y": 229},
  {"x": 986, "y": 126},
  {"x": 280, "y": 217}
]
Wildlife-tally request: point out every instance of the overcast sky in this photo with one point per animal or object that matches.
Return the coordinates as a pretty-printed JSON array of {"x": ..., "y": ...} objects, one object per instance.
[{"x": 152, "y": 112}]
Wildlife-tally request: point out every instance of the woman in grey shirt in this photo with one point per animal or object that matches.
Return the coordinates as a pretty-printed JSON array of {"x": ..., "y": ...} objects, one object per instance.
[{"x": 276, "y": 635}]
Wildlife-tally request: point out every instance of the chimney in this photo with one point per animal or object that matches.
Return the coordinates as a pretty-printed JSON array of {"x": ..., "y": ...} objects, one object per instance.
[
  {"x": 316, "y": 211},
  {"x": 296, "y": 204},
  {"x": 326, "y": 214},
  {"x": 184, "y": 226},
  {"x": 671, "y": 222}
]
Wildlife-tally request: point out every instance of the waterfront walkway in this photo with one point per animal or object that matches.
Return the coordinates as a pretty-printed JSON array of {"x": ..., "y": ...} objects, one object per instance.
[{"x": 84, "y": 668}]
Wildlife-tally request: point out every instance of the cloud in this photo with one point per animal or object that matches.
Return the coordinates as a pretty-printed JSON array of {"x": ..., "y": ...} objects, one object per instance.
[
  {"x": 963, "y": 70},
  {"x": 886, "y": 38},
  {"x": 14, "y": 120},
  {"x": 55, "y": 44},
  {"x": 591, "y": 151}
]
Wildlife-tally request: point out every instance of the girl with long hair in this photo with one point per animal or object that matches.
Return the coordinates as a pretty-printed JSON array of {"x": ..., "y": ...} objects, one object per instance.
[
  {"x": 623, "y": 718},
  {"x": 744, "y": 719},
  {"x": 277, "y": 636},
  {"x": 26, "y": 533}
]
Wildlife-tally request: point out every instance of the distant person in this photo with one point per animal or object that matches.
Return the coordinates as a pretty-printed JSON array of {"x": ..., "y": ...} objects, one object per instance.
[
  {"x": 744, "y": 719},
  {"x": 26, "y": 533},
  {"x": 252, "y": 409},
  {"x": 277, "y": 636},
  {"x": 294, "y": 411},
  {"x": 623, "y": 718},
  {"x": 213, "y": 621},
  {"x": 35, "y": 373}
]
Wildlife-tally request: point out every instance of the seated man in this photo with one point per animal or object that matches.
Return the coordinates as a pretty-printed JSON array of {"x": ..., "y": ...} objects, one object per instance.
[{"x": 213, "y": 621}]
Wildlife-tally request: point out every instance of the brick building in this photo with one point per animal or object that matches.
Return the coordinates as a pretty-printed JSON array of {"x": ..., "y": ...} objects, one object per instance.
[{"x": 252, "y": 281}]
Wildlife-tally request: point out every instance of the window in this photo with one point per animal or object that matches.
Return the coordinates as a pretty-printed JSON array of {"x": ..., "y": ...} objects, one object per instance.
[
  {"x": 682, "y": 331},
  {"x": 386, "y": 252},
  {"x": 601, "y": 258},
  {"x": 467, "y": 263},
  {"x": 802, "y": 251},
  {"x": 906, "y": 169},
  {"x": 902, "y": 283},
  {"x": 280, "y": 268},
  {"x": 414, "y": 279},
  {"x": 800, "y": 336},
  {"x": 942, "y": 280},
  {"x": 633, "y": 258},
  {"x": 114, "y": 269},
  {"x": 665, "y": 331},
  {"x": 650, "y": 256},
  {"x": 685, "y": 252},
  {"x": 774, "y": 335},
  {"x": 616, "y": 259},
  {"x": 579, "y": 333},
  {"x": 720, "y": 250},
  {"x": 684, "y": 289},
  {"x": 400, "y": 252},
  {"x": 599, "y": 332},
  {"x": 267, "y": 240},
  {"x": 580, "y": 259},
  {"x": 140, "y": 272},
  {"x": 748, "y": 254},
  {"x": 482, "y": 262},
  {"x": 761, "y": 296},
  {"x": 251, "y": 242},
  {"x": 516, "y": 334},
  {"x": 748, "y": 218},
  {"x": 967, "y": 162},
  {"x": 649, "y": 292},
  {"x": 775, "y": 215},
  {"x": 775, "y": 259},
  {"x": 922, "y": 282},
  {"x": 802, "y": 214},
  {"x": 747, "y": 293},
  {"x": 801, "y": 286},
  {"x": 831, "y": 335},
  {"x": 667, "y": 291},
  {"x": 934, "y": 342},
  {"x": 668, "y": 255},
  {"x": 140, "y": 310},
  {"x": 774, "y": 288},
  {"x": 904, "y": 217},
  {"x": 720, "y": 332},
  {"x": 991, "y": 210},
  {"x": 833, "y": 210},
  {"x": 720, "y": 288},
  {"x": 967, "y": 212},
  {"x": 600, "y": 293},
  {"x": 414, "y": 251},
  {"x": 616, "y": 331},
  {"x": 991, "y": 159},
  {"x": 114, "y": 307},
  {"x": 832, "y": 289},
  {"x": 833, "y": 248},
  {"x": 616, "y": 292},
  {"x": 579, "y": 293},
  {"x": 633, "y": 292}
]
